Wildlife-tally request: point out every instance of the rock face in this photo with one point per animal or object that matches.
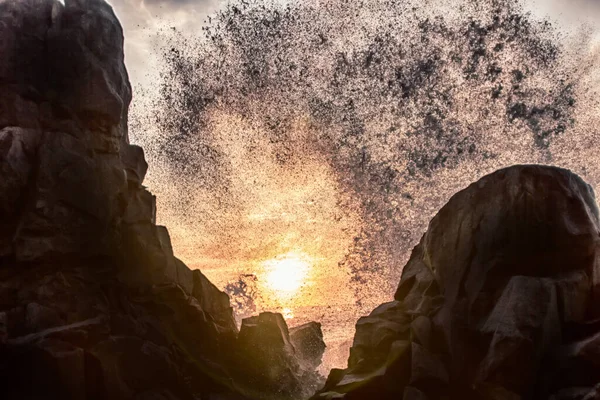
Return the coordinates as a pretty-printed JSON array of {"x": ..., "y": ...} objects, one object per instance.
[
  {"x": 282, "y": 355},
  {"x": 308, "y": 342},
  {"x": 499, "y": 300},
  {"x": 93, "y": 303}
]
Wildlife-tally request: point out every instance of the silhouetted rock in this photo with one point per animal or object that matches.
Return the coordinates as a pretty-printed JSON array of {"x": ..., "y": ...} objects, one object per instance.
[
  {"x": 272, "y": 363},
  {"x": 308, "y": 343},
  {"x": 497, "y": 301},
  {"x": 93, "y": 302},
  {"x": 266, "y": 343}
]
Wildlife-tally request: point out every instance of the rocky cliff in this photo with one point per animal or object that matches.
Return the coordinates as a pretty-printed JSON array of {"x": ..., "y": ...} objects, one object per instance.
[
  {"x": 499, "y": 300},
  {"x": 93, "y": 303}
]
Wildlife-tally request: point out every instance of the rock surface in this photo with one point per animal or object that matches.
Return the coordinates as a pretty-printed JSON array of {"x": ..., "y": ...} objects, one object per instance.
[
  {"x": 93, "y": 302},
  {"x": 308, "y": 342},
  {"x": 499, "y": 300}
]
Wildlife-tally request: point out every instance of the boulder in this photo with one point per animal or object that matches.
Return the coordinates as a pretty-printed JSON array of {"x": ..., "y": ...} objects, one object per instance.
[
  {"x": 308, "y": 343},
  {"x": 265, "y": 340},
  {"x": 277, "y": 366},
  {"x": 505, "y": 276}
]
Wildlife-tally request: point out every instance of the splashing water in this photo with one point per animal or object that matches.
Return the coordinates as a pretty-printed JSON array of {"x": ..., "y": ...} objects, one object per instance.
[{"x": 337, "y": 128}]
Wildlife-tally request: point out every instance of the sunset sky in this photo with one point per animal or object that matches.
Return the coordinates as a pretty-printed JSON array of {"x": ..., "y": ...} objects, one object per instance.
[{"x": 291, "y": 224}]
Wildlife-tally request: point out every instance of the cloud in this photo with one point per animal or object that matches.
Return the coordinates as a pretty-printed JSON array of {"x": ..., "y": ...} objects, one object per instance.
[
  {"x": 569, "y": 13},
  {"x": 179, "y": 3},
  {"x": 143, "y": 23}
]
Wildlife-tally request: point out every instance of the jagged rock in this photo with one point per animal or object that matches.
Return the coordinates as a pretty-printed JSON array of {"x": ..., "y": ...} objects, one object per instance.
[
  {"x": 17, "y": 149},
  {"x": 575, "y": 393},
  {"x": 213, "y": 300},
  {"x": 93, "y": 302},
  {"x": 421, "y": 331},
  {"x": 276, "y": 365},
  {"x": 38, "y": 317},
  {"x": 141, "y": 207},
  {"x": 505, "y": 275},
  {"x": 85, "y": 46},
  {"x": 426, "y": 368},
  {"x": 135, "y": 163},
  {"x": 524, "y": 321},
  {"x": 266, "y": 341},
  {"x": 411, "y": 393},
  {"x": 375, "y": 334},
  {"x": 307, "y": 340},
  {"x": 593, "y": 394},
  {"x": 3, "y": 328},
  {"x": 130, "y": 365}
]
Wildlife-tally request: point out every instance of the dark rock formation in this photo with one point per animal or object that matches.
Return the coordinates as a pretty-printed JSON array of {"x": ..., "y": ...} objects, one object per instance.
[
  {"x": 499, "y": 300},
  {"x": 93, "y": 303},
  {"x": 282, "y": 355},
  {"x": 308, "y": 342}
]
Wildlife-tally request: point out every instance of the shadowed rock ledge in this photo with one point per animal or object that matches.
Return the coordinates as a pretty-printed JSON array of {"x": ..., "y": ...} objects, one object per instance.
[
  {"x": 93, "y": 303},
  {"x": 499, "y": 300}
]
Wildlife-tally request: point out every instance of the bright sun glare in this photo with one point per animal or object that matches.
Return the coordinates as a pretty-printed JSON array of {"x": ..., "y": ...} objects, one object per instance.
[{"x": 286, "y": 273}]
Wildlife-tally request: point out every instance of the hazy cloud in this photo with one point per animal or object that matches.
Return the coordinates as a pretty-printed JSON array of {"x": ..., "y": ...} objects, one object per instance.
[
  {"x": 569, "y": 13},
  {"x": 179, "y": 3},
  {"x": 144, "y": 22}
]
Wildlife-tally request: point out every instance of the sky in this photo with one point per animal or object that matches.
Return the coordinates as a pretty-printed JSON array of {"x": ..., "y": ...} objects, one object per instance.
[{"x": 142, "y": 20}]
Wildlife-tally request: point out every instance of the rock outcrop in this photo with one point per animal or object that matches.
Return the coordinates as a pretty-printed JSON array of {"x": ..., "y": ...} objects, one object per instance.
[
  {"x": 499, "y": 300},
  {"x": 93, "y": 302},
  {"x": 308, "y": 342}
]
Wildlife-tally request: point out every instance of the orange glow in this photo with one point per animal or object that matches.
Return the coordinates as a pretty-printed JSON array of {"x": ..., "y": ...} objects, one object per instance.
[{"x": 286, "y": 274}]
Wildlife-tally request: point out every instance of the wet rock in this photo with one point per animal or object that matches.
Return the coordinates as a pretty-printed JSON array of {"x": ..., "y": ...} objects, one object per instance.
[
  {"x": 426, "y": 368},
  {"x": 141, "y": 207},
  {"x": 48, "y": 369},
  {"x": 213, "y": 300},
  {"x": 593, "y": 394},
  {"x": 17, "y": 164},
  {"x": 308, "y": 343},
  {"x": 3, "y": 328},
  {"x": 93, "y": 302},
  {"x": 265, "y": 340},
  {"x": 421, "y": 331},
  {"x": 277, "y": 366},
  {"x": 135, "y": 163},
  {"x": 38, "y": 317},
  {"x": 130, "y": 365},
  {"x": 85, "y": 59},
  {"x": 411, "y": 393},
  {"x": 375, "y": 333},
  {"x": 504, "y": 277}
]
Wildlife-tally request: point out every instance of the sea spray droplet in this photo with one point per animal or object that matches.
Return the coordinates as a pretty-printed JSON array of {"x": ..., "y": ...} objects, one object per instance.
[{"x": 391, "y": 106}]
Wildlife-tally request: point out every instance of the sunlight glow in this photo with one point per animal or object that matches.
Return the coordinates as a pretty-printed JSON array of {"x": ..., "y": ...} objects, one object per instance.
[
  {"x": 286, "y": 273},
  {"x": 287, "y": 313}
]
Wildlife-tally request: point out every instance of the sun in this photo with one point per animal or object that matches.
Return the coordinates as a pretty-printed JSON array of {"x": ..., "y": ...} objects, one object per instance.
[{"x": 286, "y": 274}]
